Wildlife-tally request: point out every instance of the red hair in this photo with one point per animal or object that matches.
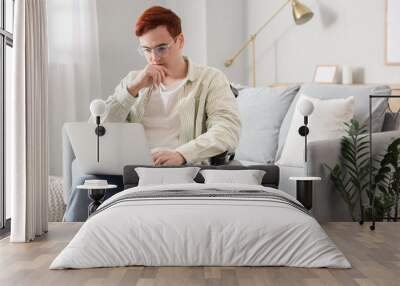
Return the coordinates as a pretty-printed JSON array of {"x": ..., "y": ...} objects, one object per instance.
[{"x": 156, "y": 16}]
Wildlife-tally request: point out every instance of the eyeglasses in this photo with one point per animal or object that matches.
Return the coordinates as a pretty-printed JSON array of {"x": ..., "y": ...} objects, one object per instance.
[{"x": 158, "y": 51}]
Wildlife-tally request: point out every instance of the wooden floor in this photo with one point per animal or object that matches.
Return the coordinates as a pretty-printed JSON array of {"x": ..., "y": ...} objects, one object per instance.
[{"x": 375, "y": 257}]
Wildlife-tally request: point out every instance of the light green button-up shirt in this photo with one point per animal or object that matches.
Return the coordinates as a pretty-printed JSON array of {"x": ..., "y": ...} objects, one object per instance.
[{"x": 209, "y": 115}]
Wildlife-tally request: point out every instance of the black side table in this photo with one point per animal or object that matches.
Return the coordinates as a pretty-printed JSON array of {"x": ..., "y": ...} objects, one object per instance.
[
  {"x": 96, "y": 195},
  {"x": 304, "y": 190}
]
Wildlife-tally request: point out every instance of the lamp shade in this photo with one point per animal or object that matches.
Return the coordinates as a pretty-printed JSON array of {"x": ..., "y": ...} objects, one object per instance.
[
  {"x": 301, "y": 13},
  {"x": 305, "y": 107},
  {"x": 98, "y": 107}
]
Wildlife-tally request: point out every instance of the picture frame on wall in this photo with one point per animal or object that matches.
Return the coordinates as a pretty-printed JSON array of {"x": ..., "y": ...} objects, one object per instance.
[
  {"x": 392, "y": 32},
  {"x": 325, "y": 74}
]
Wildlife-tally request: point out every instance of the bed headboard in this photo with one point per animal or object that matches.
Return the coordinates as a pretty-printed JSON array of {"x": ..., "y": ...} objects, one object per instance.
[{"x": 270, "y": 179}]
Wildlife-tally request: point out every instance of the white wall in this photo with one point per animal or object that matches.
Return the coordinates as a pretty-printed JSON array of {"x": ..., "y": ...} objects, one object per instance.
[
  {"x": 117, "y": 41},
  {"x": 226, "y": 31},
  {"x": 341, "y": 32},
  {"x": 193, "y": 20}
]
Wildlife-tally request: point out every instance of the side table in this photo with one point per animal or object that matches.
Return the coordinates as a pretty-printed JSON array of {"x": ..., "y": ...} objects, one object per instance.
[
  {"x": 96, "y": 195},
  {"x": 304, "y": 190}
]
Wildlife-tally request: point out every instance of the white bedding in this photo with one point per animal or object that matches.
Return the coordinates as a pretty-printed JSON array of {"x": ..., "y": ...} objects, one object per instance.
[{"x": 183, "y": 231}]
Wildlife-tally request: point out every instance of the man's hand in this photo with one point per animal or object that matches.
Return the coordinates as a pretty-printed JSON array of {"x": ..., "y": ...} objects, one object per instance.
[
  {"x": 168, "y": 158},
  {"x": 151, "y": 74}
]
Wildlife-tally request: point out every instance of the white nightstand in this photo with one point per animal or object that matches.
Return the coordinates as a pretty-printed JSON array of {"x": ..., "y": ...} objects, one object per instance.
[
  {"x": 96, "y": 195},
  {"x": 304, "y": 190}
]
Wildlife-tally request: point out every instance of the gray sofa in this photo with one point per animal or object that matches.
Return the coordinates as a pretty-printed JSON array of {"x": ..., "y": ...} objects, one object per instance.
[{"x": 327, "y": 204}]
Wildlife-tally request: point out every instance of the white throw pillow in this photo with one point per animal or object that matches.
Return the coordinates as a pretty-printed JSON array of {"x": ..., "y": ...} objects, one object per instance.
[
  {"x": 326, "y": 122},
  {"x": 166, "y": 176},
  {"x": 248, "y": 177}
]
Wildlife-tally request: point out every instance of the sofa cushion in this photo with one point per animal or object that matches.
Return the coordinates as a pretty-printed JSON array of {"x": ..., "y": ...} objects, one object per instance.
[
  {"x": 361, "y": 104},
  {"x": 262, "y": 110},
  {"x": 391, "y": 122}
]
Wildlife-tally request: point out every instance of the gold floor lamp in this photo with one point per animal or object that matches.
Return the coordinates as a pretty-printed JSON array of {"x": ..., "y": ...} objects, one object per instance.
[{"x": 301, "y": 14}]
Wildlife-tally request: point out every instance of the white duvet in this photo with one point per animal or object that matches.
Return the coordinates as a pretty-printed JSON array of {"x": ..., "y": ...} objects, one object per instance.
[{"x": 200, "y": 231}]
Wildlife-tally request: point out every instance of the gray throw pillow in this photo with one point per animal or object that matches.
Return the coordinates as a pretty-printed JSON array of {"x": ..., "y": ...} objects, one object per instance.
[
  {"x": 262, "y": 110},
  {"x": 329, "y": 91}
]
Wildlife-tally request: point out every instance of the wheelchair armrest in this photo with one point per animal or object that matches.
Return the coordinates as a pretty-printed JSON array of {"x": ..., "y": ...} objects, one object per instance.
[{"x": 221, "y": 159}]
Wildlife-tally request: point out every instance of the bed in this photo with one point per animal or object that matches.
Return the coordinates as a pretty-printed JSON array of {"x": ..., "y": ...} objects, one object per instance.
[{"x": 200, "y": 224}]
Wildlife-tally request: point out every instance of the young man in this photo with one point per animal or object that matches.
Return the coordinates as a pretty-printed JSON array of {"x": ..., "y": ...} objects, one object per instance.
[{"x": 188, "y": 111}]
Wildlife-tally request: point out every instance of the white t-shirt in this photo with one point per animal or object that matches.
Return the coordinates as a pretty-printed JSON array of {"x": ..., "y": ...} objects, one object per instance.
[{"x": 161, "y": 118}]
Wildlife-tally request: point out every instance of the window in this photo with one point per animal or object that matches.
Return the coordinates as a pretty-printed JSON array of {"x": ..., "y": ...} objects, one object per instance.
[{"x": 6, "y": 45}]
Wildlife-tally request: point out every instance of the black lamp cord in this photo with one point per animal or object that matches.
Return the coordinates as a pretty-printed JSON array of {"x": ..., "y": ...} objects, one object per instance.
[
  {"x": 305, "y": 138},
  {"x": 303, "y": 131},
  {"x": 98, "y": 137}
]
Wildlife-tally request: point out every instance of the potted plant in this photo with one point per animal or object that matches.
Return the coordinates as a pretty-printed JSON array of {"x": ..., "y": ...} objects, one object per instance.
[{"x": 351, "y": 176}]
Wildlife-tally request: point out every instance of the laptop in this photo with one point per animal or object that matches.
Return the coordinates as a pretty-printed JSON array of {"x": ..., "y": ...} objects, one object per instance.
[{"x": 122, "y": 144}]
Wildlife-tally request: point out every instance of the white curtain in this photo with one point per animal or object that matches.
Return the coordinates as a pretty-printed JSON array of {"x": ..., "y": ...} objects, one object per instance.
[
  {"x": 74, "y": 67},
  {"x": 27, "y": 145}
]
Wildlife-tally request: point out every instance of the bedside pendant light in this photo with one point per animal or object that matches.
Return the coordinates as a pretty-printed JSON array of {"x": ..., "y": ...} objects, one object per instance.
[
  {"x": 98, "y": 108},
  {"x": 306, "y": 108}
]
